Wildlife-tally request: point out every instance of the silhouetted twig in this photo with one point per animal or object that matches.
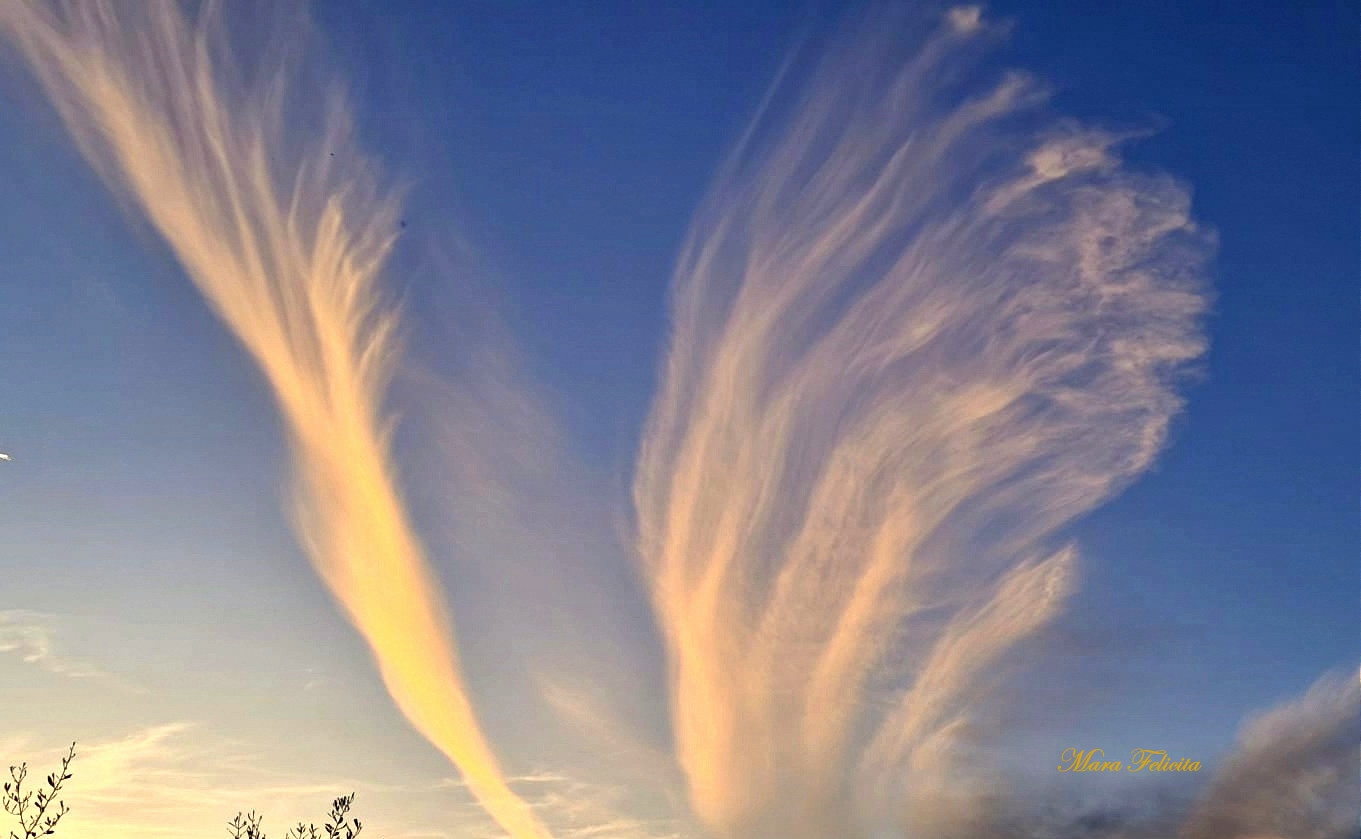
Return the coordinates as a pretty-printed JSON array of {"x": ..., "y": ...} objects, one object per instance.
[
  {"x": 35, "y": 811},
  {"x": 339, "y": 824},
  {"x": 39, "y": 811}
]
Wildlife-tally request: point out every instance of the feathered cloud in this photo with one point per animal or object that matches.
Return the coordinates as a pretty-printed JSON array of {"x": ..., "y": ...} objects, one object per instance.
[
  {"x": 283, "y": 226},
  {"x": 919, "y": 326}
]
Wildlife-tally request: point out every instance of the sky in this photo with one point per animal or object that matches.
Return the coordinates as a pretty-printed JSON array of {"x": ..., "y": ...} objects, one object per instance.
[{"x": 556, "y": 485}]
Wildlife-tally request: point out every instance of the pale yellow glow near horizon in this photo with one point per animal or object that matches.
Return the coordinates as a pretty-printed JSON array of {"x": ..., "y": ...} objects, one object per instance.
[
  {"x": 912, "y": 342},
  {"x": 286, "y": 241}
]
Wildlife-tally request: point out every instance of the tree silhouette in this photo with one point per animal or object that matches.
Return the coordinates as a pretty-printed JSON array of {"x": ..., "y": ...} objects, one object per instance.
[
  {"x": 35, "y": 811},
  {"x": 39, "y": 812}
]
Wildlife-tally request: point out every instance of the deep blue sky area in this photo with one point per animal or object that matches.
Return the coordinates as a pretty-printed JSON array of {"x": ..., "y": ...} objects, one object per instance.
[
  {"x": 1249, "y": 528},
  {"x": 569, "y": 145},
  {"x": 579, "y": 138}
]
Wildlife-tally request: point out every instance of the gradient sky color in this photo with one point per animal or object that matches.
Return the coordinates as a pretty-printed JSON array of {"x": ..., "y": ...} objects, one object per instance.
[{"x": 148, "y": 579}]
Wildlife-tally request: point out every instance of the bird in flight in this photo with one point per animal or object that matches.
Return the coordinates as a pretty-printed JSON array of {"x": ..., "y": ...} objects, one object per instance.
[{"x": 4, "y": 456}]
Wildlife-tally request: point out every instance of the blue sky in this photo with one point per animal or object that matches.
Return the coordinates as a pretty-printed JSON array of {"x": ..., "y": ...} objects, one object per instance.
[
  {"x": 569, "y": 146},
  {"x": 1246, "y": 533}
]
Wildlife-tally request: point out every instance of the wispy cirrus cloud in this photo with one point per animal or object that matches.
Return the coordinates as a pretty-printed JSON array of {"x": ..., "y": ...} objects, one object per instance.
[
  {"x": 34, "y": 637},
  {"x": 179, "y": 778},
  {"x": 911, "y": 345},
  {"x": 921, "y": 326},
  {"x": 577, "y": 809},
  {"x": 258, "y": 186}
]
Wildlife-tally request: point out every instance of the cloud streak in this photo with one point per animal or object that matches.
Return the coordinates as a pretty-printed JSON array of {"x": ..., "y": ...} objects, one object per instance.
[
  {"x": 286, "y": 240},
  {"x": 918, "y": 327},
  {"x": 177, "y": 778},
  {"x": 32, "y": 636},
  {"x": 29, "y": 635}
]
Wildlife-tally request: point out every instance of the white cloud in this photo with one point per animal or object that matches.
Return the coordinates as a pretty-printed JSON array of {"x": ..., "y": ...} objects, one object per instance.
[
  {"x": 179, "y": 779},
  {"x": 33, "y": 638}
]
